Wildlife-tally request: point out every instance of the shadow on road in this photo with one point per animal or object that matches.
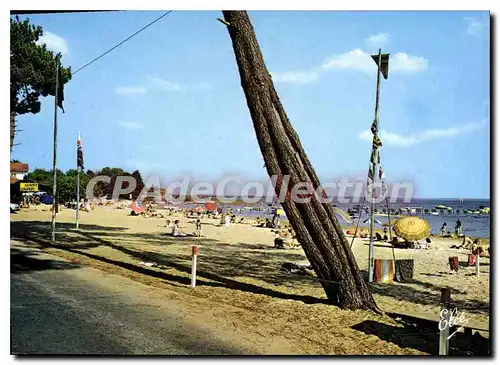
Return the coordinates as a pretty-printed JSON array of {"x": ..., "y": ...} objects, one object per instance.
[{"x": 27, "y": 261}]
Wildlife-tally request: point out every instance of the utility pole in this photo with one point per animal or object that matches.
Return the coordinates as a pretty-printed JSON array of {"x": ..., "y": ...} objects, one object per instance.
[
  {"x": 54, "y": 188},
  {"x": 77, "y": 182}
]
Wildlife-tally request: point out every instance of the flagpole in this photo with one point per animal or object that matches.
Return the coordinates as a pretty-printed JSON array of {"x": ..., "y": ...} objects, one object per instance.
[
  {"x": 54, "y": 188},
  {"x": 77, "y": 184},
  {"x": 375, "y": 163}
]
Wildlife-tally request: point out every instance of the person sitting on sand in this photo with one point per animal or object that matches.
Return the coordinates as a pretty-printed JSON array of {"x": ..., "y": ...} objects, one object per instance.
[
  {"x": 466, "y": 243},
  {"x": 378, "y": 236},
  {"x": 168, "y": 224},
  {"x": 477, "y": 250},
  {"x": 176, "y": 231},
  {"x": 448, "y": 235},
  {"x": 363, "y": 234},
  {"x": 443, "y": 229},
  {"x": 385, "y": 237}
]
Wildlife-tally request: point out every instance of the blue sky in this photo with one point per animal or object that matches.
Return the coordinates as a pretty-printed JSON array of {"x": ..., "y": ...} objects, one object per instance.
[{"x": 169, "y": 101}]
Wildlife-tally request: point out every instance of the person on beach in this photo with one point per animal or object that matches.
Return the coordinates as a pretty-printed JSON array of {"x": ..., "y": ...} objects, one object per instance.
[
  {"x": 198, "y": 228},
  {"x": 443, "y": 229},
  {"x": 385, "y": 238},
  {"x": 458, "y": 228},
  {"x": 276, "y": 220},
  {"x": 176, "y": 231}
]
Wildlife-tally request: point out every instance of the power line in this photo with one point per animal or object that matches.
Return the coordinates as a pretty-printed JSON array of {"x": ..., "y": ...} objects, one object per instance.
[
  {"x": 31, "y": 12},
  {"x": 125, "y": 40}
]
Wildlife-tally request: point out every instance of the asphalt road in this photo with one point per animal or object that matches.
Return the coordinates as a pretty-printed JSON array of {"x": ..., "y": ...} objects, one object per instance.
[{"x": 58, "y": 308}]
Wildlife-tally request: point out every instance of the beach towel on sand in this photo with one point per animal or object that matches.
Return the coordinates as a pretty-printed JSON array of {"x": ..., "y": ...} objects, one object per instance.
[
  {"x": 454, "y": 265},
  {"x": 404, "y": 271}
]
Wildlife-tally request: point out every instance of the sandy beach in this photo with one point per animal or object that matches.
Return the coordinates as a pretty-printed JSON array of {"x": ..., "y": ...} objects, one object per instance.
[{"x": 243, "y": 257}]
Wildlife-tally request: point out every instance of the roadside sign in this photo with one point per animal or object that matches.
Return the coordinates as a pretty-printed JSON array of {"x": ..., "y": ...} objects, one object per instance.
[{"x": 31, "y": 187}]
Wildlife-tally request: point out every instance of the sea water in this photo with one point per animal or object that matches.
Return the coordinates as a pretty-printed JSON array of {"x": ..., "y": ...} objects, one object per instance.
[{"x": 473, "y": 225}]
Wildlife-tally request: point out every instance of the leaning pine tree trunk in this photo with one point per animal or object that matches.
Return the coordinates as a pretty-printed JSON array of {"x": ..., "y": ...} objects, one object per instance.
[{"x": 317, "y": 228}]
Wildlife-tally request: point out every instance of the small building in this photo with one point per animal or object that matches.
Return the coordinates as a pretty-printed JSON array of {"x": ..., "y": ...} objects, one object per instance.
[{"x": 18, "y": 171}]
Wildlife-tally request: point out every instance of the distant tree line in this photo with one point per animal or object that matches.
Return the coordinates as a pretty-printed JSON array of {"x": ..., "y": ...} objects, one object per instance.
[{"x": 66, "y": 182}]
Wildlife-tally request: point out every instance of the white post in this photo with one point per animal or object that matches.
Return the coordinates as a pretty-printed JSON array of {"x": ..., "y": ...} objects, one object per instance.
[
  {"x": 477, "y": 262},
  {"x": 193, "y": 267},
  {"x": 444, "y": 332},
  {"x": 445, "y": 315}
]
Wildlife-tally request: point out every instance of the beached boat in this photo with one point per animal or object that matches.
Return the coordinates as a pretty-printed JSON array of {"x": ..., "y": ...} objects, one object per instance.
[
  {"x": 484, "y": 210},
  {"x": 441, "y": 206}
]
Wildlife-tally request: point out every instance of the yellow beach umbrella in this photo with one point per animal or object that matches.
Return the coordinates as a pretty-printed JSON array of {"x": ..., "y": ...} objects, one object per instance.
[{"x": 412, "y": 228}]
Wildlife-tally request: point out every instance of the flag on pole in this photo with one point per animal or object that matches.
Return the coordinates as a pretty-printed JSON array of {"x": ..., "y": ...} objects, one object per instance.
[
  {"x": 370, "y": 172},
  {"x": 79, "y": 152},
  {"x": 374, "y": 127},
  {"x": 384, "y": 64},
  {"x": 376, "y": 142},
  {"x": 381, "y": 174}
]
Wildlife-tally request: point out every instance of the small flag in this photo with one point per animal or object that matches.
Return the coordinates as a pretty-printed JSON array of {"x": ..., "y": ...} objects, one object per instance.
[
  {"x": 384, "y": 63},
  {"x": 375, "y": 157},
  {"x": 370, "y": 172},
  {"x": 381, "y": 174},
  {"x": 376, "y": 142},
  {"x": 79, "y": 152},
  {"x": 374, "y": 127}
]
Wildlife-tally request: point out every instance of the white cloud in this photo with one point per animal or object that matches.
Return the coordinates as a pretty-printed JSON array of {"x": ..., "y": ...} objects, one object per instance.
[
  {"x": 167, "y": 85},
  {"x": 402, "y": 62},
  {"x": 378, "y": 39},
  {"x": 400, "y": 140},
  {"x": 130, "y": 90},
  {"x": 53, "y": 42},
  {"x": 295, "y": 77},
  {"x": 130, "y": 125},
  {"x": 474, "y": 26},
  {"x": 355, "y": 60},
  {"x": 362, "y": 61}
]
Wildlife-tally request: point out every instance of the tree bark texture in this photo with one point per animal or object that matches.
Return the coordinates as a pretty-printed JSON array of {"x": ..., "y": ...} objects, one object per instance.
[{"x": 315, "y": 223}]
